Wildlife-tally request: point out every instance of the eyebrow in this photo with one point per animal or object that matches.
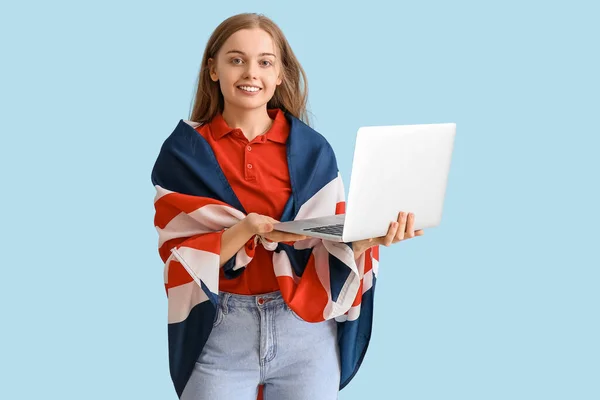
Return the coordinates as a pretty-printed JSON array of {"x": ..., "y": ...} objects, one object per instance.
[{"x": 242, "y": 53}]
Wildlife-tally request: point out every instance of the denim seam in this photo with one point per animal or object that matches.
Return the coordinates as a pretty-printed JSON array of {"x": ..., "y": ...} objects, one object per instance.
[
  {"x": 274, "y": 332},
  {"x": 261, "y": 364}
]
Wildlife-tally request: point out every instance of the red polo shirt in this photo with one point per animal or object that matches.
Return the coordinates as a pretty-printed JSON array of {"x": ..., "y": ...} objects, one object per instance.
[{"x": 258, "y": 174}]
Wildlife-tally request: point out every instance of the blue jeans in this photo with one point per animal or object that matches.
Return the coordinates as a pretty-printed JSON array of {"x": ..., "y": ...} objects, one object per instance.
[{"x": 259, "y": 340}]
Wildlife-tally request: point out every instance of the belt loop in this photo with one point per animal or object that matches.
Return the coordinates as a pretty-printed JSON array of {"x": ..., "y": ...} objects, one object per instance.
[{"x": 226, "y": 297}]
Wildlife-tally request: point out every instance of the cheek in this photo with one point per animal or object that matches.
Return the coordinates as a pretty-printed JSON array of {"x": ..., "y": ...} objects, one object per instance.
[
  {"x": 224, "y": 87},
  {"x": 225, "y": 79},
  {"x": 227, "y": 84},
  {"x": 228, "y": 76},
  {"x": 272, "y": 80}
]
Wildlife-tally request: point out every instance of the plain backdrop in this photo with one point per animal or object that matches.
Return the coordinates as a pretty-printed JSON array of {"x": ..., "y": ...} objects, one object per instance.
[{"x": 498, "y": 302}]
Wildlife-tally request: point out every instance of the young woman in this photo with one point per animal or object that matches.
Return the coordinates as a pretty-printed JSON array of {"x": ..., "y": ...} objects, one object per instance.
[{"x": 252, "y": 308}]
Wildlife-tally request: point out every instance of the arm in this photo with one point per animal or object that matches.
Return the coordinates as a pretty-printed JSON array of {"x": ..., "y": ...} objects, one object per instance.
[
  {"x": 236, "y": 237},
  {"x": 233, "y": 239}
]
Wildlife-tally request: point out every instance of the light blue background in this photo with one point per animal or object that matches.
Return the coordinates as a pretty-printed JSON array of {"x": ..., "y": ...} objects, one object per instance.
[{"x": 499, "y": 302}]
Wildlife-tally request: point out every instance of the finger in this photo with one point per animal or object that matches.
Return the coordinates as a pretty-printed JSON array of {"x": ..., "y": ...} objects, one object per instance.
[
  {"x": 420, "y": 232},
  {"x": 290, "y": 236},
  {"x": 401, "y": 227},
  {"x": 410, "y": 226},
  {"x": 271, "y": 237},
  {"x": 295, "y": 238},
  {"x": 265, "y": 227},
  {"x": 279, "y": 236},
  {"x": 389, "y": 238}
]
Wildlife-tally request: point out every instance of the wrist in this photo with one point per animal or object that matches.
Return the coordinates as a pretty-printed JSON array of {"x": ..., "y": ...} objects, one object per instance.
[
  {"x": 246, "y": 227},
  {"x": 358, "y": 250}
]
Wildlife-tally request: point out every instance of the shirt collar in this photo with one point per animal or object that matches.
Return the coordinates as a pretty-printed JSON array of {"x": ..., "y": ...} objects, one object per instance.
[{"x": 278, "y": 132}]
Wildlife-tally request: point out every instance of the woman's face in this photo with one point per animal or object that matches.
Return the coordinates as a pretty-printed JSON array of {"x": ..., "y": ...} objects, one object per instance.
[{"x": 248, "y": 69}]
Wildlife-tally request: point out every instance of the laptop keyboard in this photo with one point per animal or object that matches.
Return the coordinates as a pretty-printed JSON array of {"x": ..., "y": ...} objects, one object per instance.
[{"x": 336, "y": 230}]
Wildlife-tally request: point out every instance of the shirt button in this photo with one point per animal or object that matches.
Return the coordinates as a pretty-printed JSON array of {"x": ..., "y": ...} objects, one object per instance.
[
  {"x": 249, "y": 166},
  {"x": 249, "y": 148}
]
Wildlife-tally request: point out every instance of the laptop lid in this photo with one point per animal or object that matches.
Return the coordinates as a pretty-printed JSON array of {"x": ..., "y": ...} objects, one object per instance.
[{"x": 397, "y": 168}]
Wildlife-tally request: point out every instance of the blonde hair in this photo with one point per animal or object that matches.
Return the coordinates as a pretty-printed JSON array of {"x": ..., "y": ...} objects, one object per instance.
[{"x": 290, "y": 96}]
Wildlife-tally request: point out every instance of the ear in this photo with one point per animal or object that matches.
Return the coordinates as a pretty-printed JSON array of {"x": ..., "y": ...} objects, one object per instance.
[
  {"x": 212, "y": 70},
  {"x": 279, "y": 79}
]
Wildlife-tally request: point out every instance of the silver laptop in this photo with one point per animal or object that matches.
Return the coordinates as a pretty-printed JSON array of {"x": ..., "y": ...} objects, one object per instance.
[{"x": 395, "y": 168}]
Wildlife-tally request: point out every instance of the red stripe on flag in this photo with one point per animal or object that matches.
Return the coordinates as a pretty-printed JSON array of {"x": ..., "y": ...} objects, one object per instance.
[
  {"x": 210, "y": 242},
  {"x": 177, "y": 275},
  {"x": 368, "y": 261},
  {"x": 172, "y": 204},
  {"x": 250, "y": 248},
  {"x": 340, "y": 208},
  {"x": 307, "y": 296},
  {"x": 375, "y": 252}
]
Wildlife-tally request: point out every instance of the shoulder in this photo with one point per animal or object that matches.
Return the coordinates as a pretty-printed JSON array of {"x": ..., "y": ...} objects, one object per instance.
[
  {"x": 306, "y": 138},
  {"x": 186, "y": 138},
  {"x": 189, "y": 131},
  {"x": 187, "y": 126}
]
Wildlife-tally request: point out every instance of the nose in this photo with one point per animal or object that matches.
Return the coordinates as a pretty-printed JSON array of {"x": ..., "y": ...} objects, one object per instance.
[{"x": 251, "y": 70}]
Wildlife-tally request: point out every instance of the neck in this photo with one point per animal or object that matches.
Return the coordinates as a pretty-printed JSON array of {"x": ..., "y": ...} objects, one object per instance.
[{"x": 253, "y": 123}]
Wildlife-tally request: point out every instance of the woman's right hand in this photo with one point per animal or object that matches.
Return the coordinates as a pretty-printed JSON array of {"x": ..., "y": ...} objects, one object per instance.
[{"x": 263, "y": 225}]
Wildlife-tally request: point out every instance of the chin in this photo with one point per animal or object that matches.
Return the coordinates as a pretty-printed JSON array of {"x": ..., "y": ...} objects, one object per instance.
[{"x": 249, "y": 104}]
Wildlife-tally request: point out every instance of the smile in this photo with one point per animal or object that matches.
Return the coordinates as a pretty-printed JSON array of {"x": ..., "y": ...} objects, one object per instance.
[{"x": 249, "y": 88}]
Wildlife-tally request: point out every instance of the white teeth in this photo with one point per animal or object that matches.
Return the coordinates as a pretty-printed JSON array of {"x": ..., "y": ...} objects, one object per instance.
[{"x": 249, "y": 88}]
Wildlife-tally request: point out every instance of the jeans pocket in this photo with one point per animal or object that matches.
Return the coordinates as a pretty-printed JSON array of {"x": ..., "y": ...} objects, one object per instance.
[{"x": 293, "y": 313}]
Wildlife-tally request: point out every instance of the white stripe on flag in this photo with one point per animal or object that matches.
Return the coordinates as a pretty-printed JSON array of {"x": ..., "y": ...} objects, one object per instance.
[
  {"x": 207, "y": 219},
  {"x": 375, "y": 266},
  {"x": 367, "y": 281},
  {"x": 192, "y": 123},
  {"x": 307, "y": 243},
  {"x": 166, "y": 268},
  {"x": 160, "y": 192},
  {"x": 241, "y": 259},
  {"x": 216, "y": 216},
  {"x": 181, "y": 300},
  {"x": 352, "y": 314},
  {"x": 201, "y": 265},
  {"x": 181, "y": 226},
  {"x": 283, "y": 267},
  {"x": 323, "y": 203}
]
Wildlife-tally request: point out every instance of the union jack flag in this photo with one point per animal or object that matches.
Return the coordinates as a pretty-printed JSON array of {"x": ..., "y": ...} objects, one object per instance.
[{"x": 318, "y": 279}]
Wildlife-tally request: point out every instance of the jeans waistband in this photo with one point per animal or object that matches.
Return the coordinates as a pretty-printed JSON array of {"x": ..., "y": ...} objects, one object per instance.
[{"x": 251, "y": 301}]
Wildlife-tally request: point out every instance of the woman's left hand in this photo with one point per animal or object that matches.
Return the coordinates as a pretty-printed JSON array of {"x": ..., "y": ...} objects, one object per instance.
[{"x": 398, "y": 231}]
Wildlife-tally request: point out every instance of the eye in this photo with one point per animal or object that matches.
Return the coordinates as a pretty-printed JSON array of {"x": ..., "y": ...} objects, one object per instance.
[
  {"x": 237, "y": 61},
  {"x": 266, "y": 63}
]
